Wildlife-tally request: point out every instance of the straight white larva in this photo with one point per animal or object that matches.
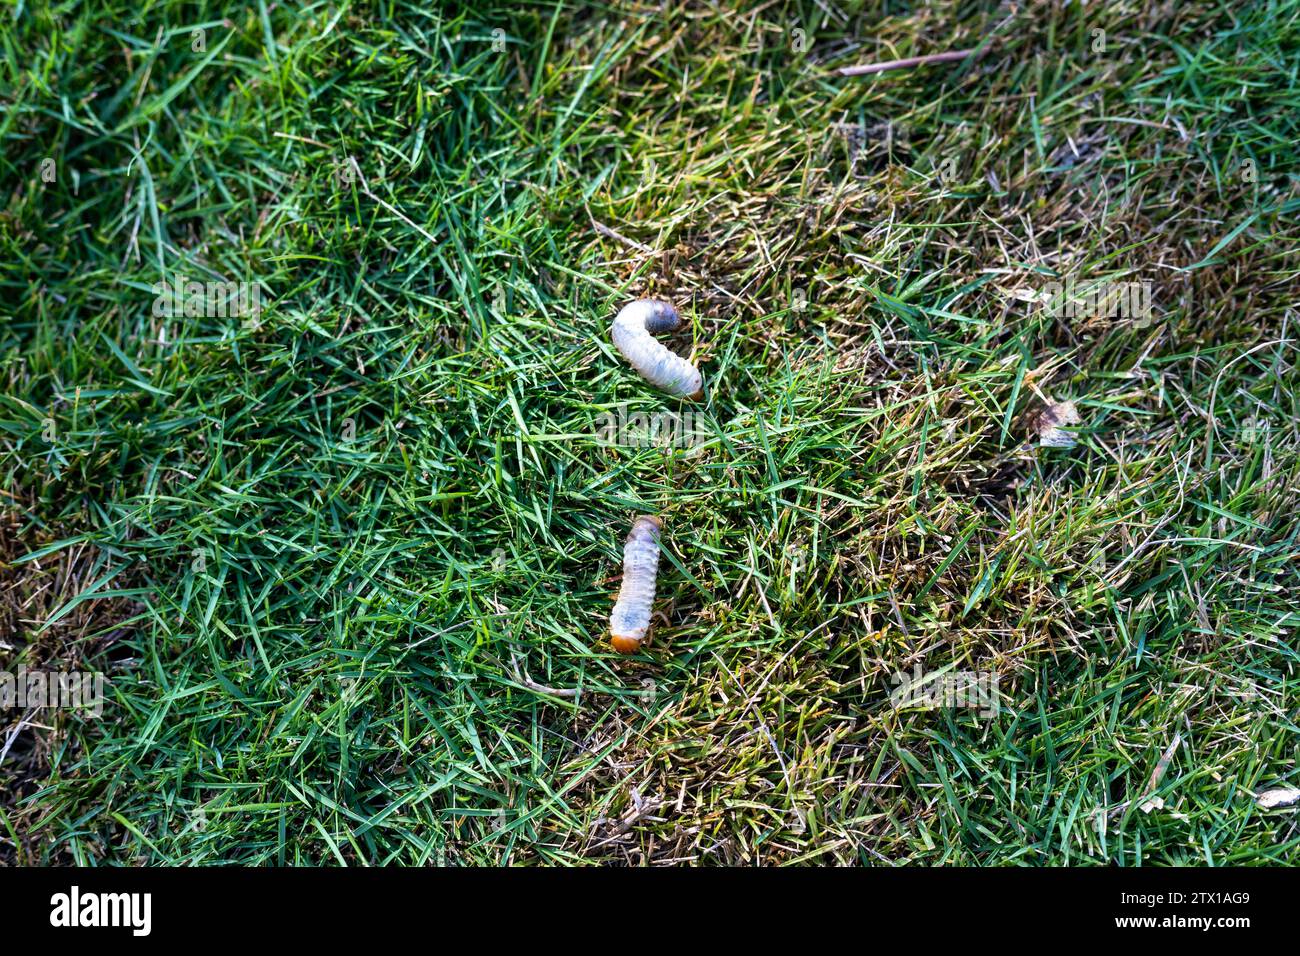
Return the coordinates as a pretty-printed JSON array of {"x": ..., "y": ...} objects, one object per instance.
[
  {"x": 1279, "y": 798},
  {"x": 630, "y": 621},
  {"x": 632, "y": 332}
]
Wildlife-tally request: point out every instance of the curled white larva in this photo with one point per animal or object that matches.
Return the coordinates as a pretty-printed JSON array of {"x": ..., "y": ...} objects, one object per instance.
[
  {"x": 632, "y": 332},
  {"x": 630, "y": 621}
]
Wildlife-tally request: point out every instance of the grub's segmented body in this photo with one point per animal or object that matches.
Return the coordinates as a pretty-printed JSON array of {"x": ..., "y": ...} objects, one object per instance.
[
  {"x": 630, "y": 621},
  {"x": 632, "y": 331}
]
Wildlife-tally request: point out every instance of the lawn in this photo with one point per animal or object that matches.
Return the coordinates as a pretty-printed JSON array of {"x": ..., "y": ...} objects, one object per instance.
[{"x": 344, "y": 549}]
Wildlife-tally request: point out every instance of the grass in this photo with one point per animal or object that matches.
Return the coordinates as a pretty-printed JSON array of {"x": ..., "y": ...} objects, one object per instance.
[{"x": 325, "y": 558}]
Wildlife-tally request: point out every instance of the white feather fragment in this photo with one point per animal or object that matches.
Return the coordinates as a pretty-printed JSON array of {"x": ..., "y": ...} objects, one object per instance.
[{"x": 1051, "y": 424}]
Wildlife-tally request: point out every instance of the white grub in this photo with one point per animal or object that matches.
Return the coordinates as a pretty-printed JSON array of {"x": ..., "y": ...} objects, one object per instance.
[
  {"x": 632, "y": 332},
  {"x": 1279, "y": 798},
  {"x": 630, "y": 621}
]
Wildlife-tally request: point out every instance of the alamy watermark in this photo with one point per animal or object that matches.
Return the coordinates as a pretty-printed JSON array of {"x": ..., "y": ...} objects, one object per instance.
[
  {"x": 932, "y": 690},
  {"x": 639, "y": 429},
  {"x": 1098, "y": 300},
  {"x": 74, "y": 909},
  {"x": 70, "y": 690},
  {"x": 214, "y": 300}
]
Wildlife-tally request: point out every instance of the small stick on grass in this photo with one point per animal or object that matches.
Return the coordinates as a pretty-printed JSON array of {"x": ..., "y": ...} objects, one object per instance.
[
  {"x": 609, "y": 233},
  {"x": 365, "y": 188},
  {"x": 867, "y": 68},
  {"x": 522, "y": 677}
]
